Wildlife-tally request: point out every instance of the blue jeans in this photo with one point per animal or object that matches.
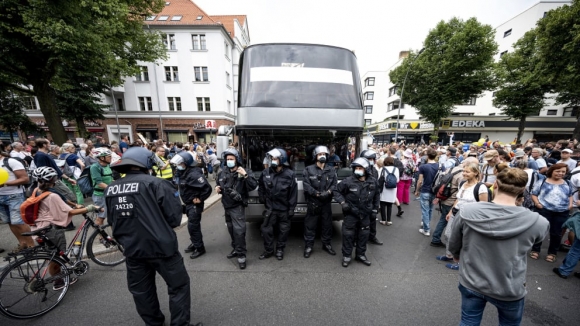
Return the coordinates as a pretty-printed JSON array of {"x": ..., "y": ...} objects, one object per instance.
[
  {"x": 473, "y": 303},
  {"x": 10, "y": 208},
  {"x": 571, "y": 259},
  {"x": 426, "y": 209},
  {"x": 441, "y": 224}
]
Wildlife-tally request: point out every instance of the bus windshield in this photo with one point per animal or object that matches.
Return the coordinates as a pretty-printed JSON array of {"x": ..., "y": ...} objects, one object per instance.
[{"x": 299, "y": 76}]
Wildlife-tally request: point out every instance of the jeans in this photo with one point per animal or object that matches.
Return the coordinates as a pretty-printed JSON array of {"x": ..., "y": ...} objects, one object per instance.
[
  {"x": 10, "y": 208},
  {"x": 441, "y": 224},
  {"x": 473, "y": 303},
  {"x": 571, "y": 259},
  {"x": 556, "y": 220},
  {"x": 426, "y": 209}
]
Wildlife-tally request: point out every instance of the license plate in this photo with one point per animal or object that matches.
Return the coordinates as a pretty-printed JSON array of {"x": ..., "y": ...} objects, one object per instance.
[{"x": 300, "y": 210}]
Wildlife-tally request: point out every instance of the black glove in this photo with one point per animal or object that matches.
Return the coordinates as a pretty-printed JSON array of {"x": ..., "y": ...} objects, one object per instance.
[
  {"x": 324, "y": 195},
  {"x": 373, "y": 215},
  {"x": 290, "y": 213},
  {"x": 345, "y": 207}
]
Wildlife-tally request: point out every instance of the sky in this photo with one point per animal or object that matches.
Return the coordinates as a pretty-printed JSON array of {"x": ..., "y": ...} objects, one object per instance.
[{"x": 376, "y": 30}]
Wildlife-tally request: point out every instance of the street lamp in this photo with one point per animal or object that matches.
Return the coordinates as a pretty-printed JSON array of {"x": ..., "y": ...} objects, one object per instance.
[{"x": 401, "y": 97}]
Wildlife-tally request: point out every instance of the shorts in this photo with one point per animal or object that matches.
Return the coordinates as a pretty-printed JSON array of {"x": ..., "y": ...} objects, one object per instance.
[
  {"x": 57, "y": 237},
  {"x": 10, "y": 208},
  {"x": 100, "y": 201}
]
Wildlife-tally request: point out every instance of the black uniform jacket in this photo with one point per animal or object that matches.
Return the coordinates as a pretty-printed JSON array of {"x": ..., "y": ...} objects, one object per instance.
[
  {"x": 143, "y": 210},
  {"x": 317, "y": 180},
  {"x": 278, "y": 190},
  {"x": 230, "y": 180},
  {"x": 362, "y": 196},
  {"x": 193, "y": 184}
]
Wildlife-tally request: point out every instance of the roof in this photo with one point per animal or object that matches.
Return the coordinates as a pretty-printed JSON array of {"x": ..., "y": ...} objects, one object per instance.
[{"x": 191, "y": 14}]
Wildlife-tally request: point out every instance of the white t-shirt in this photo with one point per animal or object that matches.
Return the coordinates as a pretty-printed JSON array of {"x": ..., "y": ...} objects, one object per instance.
[
  {"x": 15, "y": 165},
  {"x": 541, "y": 163},
  {"x": 570, "y": 162},
  {"x": 465, "y": 195},
  {"x": 17, "y": 154},
  {"x": 575, "y": 181}
]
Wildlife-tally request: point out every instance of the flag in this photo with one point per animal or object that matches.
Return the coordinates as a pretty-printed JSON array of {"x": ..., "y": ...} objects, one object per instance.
[{"x": 369, "y": 135}]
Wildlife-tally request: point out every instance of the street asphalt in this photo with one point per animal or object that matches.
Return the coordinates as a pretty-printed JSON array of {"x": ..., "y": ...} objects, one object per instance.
[{"x": 404, "y": 286}]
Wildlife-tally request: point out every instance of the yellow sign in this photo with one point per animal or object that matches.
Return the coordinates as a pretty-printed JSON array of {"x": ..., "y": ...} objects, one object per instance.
[{"x": 414, "y": 125}]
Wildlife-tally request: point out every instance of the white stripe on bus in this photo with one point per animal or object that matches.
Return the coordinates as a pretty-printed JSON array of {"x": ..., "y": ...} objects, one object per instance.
[{"x": 291, "y": 74}]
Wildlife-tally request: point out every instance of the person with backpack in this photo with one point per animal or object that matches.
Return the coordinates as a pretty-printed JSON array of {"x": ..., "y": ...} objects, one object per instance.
[
  {"x": 427, "y": 173},
  {"x": 553, "y": 199},
  {"x": 101, "y": 177},
  {"x": 73, "y": 167},
  {"x": 470, "y": 191},
  {"x": 52, "y": 210},
  {"x": 388, "y": 182},
  {"x": 451, "y": 160},
  {"x": 491, "y": 159}
]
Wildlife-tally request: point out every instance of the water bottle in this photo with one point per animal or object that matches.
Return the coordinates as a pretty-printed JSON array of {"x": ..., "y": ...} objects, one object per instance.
[{"x": 76, "y": 247}]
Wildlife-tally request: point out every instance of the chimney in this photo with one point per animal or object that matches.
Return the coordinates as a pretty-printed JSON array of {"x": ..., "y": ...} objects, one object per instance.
[{"x": 403, "y": 54}]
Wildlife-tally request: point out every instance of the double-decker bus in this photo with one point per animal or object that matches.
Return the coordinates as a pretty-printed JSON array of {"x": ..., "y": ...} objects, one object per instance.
[{"x": 297, "y": 96}]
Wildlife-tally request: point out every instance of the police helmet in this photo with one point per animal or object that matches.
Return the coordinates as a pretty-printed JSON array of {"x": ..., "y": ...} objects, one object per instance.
[
  {"x": 279, "y": 153},
  {"x": 369, "y": 154},
  {"x": 188, "y": 158},
  {"x": 134, "y": 156},
  {"x": 360, "y": 161},
  {"x": 234, "y": 152},
  {"x": 44, "y": 174},
  {"x": 319, "y": 150}
]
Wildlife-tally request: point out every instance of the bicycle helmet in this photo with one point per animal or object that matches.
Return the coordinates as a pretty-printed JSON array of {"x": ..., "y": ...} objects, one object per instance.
[
  {"x": 320, "y": 149},
  {"x": 100, "y": 152},
  {"x": 135, "y": 156},
  {"x": 234, "y": 152},
  {"x": 369, "y": 154},
  {"x": 188, "y": 158},
  {"x": 44, "y": 174},
  {"x": 279, "y": 153}
]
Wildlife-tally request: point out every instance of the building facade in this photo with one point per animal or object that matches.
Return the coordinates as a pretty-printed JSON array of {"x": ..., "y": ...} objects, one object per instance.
[
  {"x": 186, "y": 97},
  {"x": 382, "y": 106}
]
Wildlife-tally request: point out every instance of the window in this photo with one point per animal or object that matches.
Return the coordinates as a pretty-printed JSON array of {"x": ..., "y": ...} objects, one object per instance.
[
  {"x": 370, "y": 81},
  {"x": 367, "y": 122},
  {"x": 171, "y": 74},
  {"x": 368, "y": 109},
  {"x": 393, "y": 90},
  {"x": 29, "y": 102},
  {"x": 174, "y": 103},
  {"x": 200, "y": 74},
  {"x": 507, "y": 33},
  {"x": 394, "y": 105},
  {"x": 151, "y": 17},
  {"x": 501, "y": 54},
  {"x": 552, "y": 112},
  {"x": 168, "y": 40},
  {"x": 162, "y": 18},
  {"x": 570, "y": 112},
  {"x": 145, "y": 103},
  {"x": 176, "y": 18},
  {"x": 198, "y": 41},
  {"x": 227, "y": 49},
  {"x": 470, "y": 102},
  {"x": 199, "y": 17},
  {"x": 227, "y": 78},
  {"x": 492, "y": 114},
  {"x": 120, "y": 106},
  {"x": 369, "y": 95},
  {"x": 203, "y": 104},
  {"x": 143, "y": 74},
  {"x": 461, "y": 114}
]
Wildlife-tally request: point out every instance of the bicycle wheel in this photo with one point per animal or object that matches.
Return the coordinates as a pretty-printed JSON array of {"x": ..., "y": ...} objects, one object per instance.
[
  {"x": 103, "y": 249},
  {"x": 27, "y": 289}
]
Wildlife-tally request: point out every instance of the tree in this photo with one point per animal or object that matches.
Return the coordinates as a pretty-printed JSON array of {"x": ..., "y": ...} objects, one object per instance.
[
  {"x": 522, "y": 87},
  {"x": 559, "y": 50},
  {"x": 39, "y": 39},
  {"x": 455, "y": 66},
  {"x": 11, "y": 115}
]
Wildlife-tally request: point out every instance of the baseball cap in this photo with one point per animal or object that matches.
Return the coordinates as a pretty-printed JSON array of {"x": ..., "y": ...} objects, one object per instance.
[
  {"x": 490, "y": 154},
  {"x": 567, "y": 150},
  {"x": 452, "y": 150},
  {"x": 520, "y": 153}
]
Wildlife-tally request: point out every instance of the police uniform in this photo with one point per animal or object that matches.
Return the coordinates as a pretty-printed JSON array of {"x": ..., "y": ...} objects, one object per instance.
[
  {"x": 317, "y": 181},
  {"x": 193, "y": 184},
  {"x": 278, "y": 191},
  {"x": 143, "y": 210},
  {"x": 362, "y": 200}
]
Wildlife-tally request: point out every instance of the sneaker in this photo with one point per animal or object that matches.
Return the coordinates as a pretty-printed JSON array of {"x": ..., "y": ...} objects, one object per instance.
[
  {"x": 59, "y": 284},
  {"x": 437, "y": 244},
  {"x": 424, "y": 233},
  {"x": 444, "y": 258},
  {"x": 454, "y": 267},
  {"x": 556, "y": 270},
  {"x": 389, "y": 223}
]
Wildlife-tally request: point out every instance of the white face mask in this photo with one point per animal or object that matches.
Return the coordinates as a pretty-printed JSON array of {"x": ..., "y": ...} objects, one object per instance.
[
  {"x": 181, "y": 167},
  {"x": 231, "y": 164},
  {"x": 359, "y": 173},
  {"x": 274, "y": 164}
]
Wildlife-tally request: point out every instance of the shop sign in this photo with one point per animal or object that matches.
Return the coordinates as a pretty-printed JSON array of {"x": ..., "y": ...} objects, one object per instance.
[
  {"x": 384, "y": 126},
  {"x": 198, "y": 125},
  {"x": 210, "y": 124},
  {"x": 415, "y": 125},
  {"x": 467, "y": 124},
  {"x": 92, "y": 124}
]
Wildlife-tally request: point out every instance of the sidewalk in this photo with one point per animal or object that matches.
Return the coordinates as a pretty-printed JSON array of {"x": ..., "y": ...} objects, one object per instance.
[{"x": 8, "y": 242}]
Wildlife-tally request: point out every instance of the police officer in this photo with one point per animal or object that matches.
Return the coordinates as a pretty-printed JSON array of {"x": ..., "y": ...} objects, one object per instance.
[
  {"x": 278, "y": 192},
  {"x": 143, "y": 210},
  {"x": 234, "y": 183},
  {"x": 359, "y": 197},
  {"x": 194, "y": 190},
  {"x": 371, "y": 156},
  {"x": 319, "y": 183}
]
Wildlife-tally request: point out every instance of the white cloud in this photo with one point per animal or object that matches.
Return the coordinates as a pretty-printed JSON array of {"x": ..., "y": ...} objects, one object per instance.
[{"x": 375, "y": 29}]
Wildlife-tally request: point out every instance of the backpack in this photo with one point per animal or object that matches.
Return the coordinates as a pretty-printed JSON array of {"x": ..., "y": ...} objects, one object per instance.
[
  {"x": 391, "y": 180},
  {"x": 67, "y": 169},
  {"x": 444, "y": 188},
  {"x": 528, "y": 202},
  {"x": 567, "y": 177},
  {"x": 29, "y": 208},
  {"x": 409, "y": 169},
  {"x": 85, "y": 182},
  {"x": 27, "y": 185},
  {"x": 476, "y": 190}
]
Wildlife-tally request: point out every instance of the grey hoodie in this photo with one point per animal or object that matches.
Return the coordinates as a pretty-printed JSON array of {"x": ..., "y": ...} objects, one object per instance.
[{"x": 492, "y": 242}]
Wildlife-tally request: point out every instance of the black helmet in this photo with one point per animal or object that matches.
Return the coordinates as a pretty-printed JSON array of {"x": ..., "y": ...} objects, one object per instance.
[
  {"x": 135, "y": 156},
  {"x": 279, "y": 153},
  {"x": 234, "y": 152},
  {"x": 369, "y": 154},
  {"x": 362, "y": 162},
  {"x": 188, "y": 158}
]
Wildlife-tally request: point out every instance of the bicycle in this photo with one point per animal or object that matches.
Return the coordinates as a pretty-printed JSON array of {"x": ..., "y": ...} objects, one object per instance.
[{"x": 27, "y": 289}]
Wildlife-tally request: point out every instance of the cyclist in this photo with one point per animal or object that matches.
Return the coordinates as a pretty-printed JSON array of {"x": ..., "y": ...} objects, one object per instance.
[
  {"x": 54, "y": 211},
  {"x": 101, "y": 176}
]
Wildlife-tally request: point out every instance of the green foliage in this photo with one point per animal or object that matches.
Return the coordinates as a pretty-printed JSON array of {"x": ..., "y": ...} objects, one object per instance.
[
  {"x": 455, "y": 66},
  {"x": 12, "y": 116},
  {"x": 522, "y": 86},
  {"x": 41, "y": 39}
]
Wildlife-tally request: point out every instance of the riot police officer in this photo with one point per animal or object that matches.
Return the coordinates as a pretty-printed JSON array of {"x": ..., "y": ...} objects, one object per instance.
[
  {"x": 194, "y": 190},
  {"x": 143, "y": 210},
  {"x": 278, "y": 192},
  {"x": 359, "y": 197},
  {"x": 371, "y": 156},
  {"x": 234, "y": 183},
  {"x": 319, "y": 183}
]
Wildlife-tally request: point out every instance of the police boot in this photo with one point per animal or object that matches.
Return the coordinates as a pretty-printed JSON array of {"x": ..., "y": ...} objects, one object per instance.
[
  {"x": 279, "y": 254},
  {"x": 346, "y": 261},
  {"x": 266, "y": 254},
  {"x": 232, "y": 254},
  {"x": 190, "y": 248},
  {"x": 242, "y": 262},
  {"x": 328, "y": 249},
  {"x": 363, "y": 259},
  {"x": 307, "y": 252},
  {"x": 197, "y": 253},
  {"x": 375, "y": 241}
]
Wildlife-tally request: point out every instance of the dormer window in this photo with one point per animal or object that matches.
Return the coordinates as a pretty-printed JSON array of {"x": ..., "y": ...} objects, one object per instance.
[
  {"x": 200, "y": 17},
  {"x": 162, "y": 18}
]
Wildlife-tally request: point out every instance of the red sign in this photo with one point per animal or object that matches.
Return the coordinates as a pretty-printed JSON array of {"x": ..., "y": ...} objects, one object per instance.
[{"x": 210, "y": 124}]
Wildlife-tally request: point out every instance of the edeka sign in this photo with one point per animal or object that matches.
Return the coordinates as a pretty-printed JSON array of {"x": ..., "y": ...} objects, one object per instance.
[{"x": 467, "y": 124}]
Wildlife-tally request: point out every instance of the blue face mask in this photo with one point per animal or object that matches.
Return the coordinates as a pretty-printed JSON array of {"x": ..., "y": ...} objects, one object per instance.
[
  {"x": 181, "y": 167},
  {"x": 359, "y": 173},
  {"x": 274, "y": 164},
  {"x": 231, "y": 164}
]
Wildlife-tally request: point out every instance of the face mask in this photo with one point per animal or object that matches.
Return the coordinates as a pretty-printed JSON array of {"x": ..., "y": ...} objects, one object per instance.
[
  {"x": 231, "y": 164},
  {"x": 372, "y": 163},
  {"x": 274, "y": 164},
  {"x": 322, "y": 159},
  {"x": 181, "y": 167},
  {"x": 359, "y": 173}
]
